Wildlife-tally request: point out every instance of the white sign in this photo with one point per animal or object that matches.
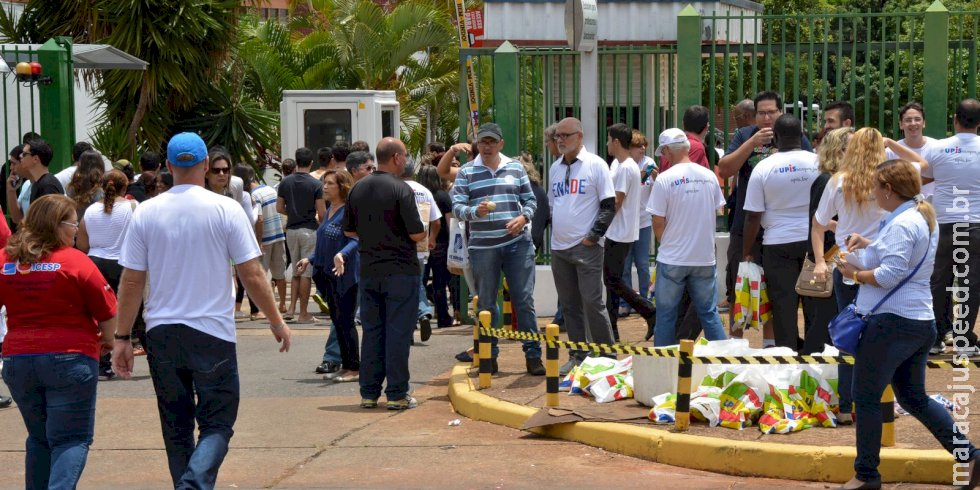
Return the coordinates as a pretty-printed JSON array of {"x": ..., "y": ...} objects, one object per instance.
[{"x": 581, "y": 24}]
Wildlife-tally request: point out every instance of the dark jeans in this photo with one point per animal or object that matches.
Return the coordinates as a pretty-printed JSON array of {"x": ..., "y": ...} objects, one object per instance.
[
  {"x": 782, "y": 265},
  {"x": 55, "y": 394},
  {"x": 962, "y": 260},
  {"x": 195, "y": 376},
  {"x": 440, "y": 283},
  {"x": 690, "y": 326},
  {"x": 342, "y": 305},
  {"x": 894, "y": 350},
  {"x": 845, "y": 295},
  {"x": 614, "y": 260},
  {"x": 389, "y": 309},
  {"x": 331, "y": 349}
]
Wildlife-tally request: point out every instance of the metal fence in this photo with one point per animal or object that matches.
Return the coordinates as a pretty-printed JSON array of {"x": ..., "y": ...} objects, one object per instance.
[{"x": 21, "y": 112}]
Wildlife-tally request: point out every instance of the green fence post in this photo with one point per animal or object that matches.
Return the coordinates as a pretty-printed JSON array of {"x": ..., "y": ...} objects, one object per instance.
[
  {"x": 935, "y": 54},
  {"x": 688, "y": 61},
  {"x": 56, "y": 101},
  {"x": 506, "y": 96}
]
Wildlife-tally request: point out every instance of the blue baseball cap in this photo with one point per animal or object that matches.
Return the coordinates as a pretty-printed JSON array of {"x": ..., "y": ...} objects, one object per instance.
[{"x": 186, "y": 150}]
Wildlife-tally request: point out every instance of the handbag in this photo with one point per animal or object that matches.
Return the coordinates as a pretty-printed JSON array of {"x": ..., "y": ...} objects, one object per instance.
[
  {"x": 808, "y": 285},
  {"x": 846, "y": 328}
]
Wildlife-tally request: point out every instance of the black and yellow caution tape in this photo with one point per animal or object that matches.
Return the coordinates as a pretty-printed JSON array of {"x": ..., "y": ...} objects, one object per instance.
[{"x": 635, "y": 350}]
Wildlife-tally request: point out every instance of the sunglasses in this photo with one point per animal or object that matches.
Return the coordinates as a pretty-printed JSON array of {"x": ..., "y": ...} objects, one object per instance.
[{"x": 216, "y": 170}]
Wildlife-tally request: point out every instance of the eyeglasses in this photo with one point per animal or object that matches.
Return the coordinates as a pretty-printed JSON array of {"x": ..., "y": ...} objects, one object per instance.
[
  {"x": 26, "y": 154},
  {"x": 369, "y": 169},
  {"x": 69, "y": 223},
  {"x": 767, "y": 114},
  {"x": 561, "y": 136},
  {"x": 217, "y": 170}
]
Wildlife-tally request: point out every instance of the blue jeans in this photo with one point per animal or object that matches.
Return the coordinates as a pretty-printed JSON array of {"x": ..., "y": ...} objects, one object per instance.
[
  {"x": 195, "y": 376},
  {"x": 701, "y": 285},
  {"x": 894, "y": 350},
  {"x": 516, "y": 261},
  {"x": 639, "y": 256},
  {"x": 425, "y": 309},
  {"x": 331, "y": 350},
  {"x": 844, "y": 294},
  {"x": 388, "y": 315},
  {"x": 55, "y": 394}
]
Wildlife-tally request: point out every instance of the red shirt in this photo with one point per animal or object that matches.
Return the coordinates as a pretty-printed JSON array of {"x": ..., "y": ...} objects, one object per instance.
[
  {"x": 55, "y": 305},
  {"x": 696, "y": 154},
  {"x": 4, "y": 231}
]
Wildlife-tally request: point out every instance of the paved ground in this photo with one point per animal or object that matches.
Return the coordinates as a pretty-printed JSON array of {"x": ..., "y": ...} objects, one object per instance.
[{"x": 297, "y": 431}]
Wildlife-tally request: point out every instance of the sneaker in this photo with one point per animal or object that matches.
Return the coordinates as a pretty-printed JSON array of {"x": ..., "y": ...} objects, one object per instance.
[
  {"x": 937, "y": 348},
  {"x": 327, "y": 367},
  {"x": 535, "y": 367},
  {"x": 968, "y": 351},
  {"x": 844, "y": 419},
  {"x": 403, "y": 404},
  {"x": 624, "y": 311},
  {"x": 241, "y": 316},
  {"x": 425, "y": 327},
  {"x": 5, "y": 401},
  {"x": 369, "y": 403},
  {"x": 106, "y": 375},
  {"x": 321, "y": 303},
  {"x": 568, "y": 366},
  {"x": 464, "y": 356},
  {"x": 948, "y": 339}
]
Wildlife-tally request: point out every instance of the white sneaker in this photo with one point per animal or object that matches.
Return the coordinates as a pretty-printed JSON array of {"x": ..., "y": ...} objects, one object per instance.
[{"x": 968, "y": 351}]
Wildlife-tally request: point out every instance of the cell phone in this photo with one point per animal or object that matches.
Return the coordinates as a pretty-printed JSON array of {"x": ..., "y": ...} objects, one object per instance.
[{"x": 17, "y": 180}]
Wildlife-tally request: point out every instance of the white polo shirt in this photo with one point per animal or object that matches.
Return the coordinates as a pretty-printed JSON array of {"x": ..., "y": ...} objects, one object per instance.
[
  {"x": 780, "y": 189},
  {"x": 625, "y": 226},
  {"x": 575, "y": 194},
  {"x": 687, "y": 195}
]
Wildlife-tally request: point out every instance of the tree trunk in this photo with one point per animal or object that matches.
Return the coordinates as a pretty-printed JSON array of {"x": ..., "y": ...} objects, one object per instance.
[{"x": 141, "y": 107}]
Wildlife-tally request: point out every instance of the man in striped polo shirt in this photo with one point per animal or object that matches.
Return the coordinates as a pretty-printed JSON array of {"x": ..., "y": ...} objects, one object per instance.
[{"x": 494, "y": 194}]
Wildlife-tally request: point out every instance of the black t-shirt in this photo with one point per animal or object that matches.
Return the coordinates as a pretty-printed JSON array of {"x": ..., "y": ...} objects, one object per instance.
[
  {"x": 47, "y": 184},
  {"x": 381, "y": 210},
  {"x": 137, "y": 190},
  {"x": 445, "y": 204},
  {"x": 300, "y": 191}
]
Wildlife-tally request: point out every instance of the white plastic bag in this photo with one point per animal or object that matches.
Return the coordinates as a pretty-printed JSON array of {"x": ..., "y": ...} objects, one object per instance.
[{"x": 459, "y": 257}]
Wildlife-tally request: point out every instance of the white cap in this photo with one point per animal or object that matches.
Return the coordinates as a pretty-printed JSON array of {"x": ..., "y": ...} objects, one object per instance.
[{"x": 669, "y": 137}]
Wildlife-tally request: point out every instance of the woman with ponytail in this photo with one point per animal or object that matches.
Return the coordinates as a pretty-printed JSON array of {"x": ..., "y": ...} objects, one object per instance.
[
  {"x": 101, "y": 234},
  {"x": 85, "y": 186},
  {"x": 895, "y": 345}
]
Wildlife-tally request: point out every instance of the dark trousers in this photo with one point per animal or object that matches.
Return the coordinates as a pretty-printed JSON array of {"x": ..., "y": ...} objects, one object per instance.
[
  {"x": 112, "y": 272},
  {"x": 782, "y": 264},
  {"x": 689, "y": 327},
  {"x": 845, "y": 295},
  {"x": 894, "y": 350},
  {"x": 195, "y": 376},
  {"x": 959, "y": 259},
  {"x": 342, "y": 306},
  {"x": 240, "y": 294},
  {"x": 389, "y": 310},
  {"x": 440, "y": 283},
  {"x": 614, "y": 260}
]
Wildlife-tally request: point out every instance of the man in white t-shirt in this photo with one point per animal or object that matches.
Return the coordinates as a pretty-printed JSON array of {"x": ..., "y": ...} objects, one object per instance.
[
  {"x": 778, "y": 199},
  {"x": 954, "y": 165},
  {"x": 624, "y": 230},
  {"x": 684, "y": 203},
  {"x": 186, "y": 240},
  {"x": 428, "y": 213},
  {"x": 583, "y": 204}
]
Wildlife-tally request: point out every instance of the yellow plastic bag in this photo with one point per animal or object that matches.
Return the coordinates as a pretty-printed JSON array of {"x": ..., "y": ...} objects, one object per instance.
[{"x": 752, "y": 307}]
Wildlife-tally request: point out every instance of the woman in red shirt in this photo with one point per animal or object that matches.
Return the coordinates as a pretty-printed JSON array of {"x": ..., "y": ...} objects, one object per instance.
[{"x": 60, "y": 312}]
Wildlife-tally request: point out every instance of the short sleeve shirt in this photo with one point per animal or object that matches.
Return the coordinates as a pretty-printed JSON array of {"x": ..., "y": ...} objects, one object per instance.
[
  {"x": 954, "y": 163},
  {"x": 688, "y": 196},
  {"x": 577, "y": 188},
  {"x": 47, "y": 184},
  {"x": 381, "y": 209},
  {"x": 780, "y": 190},
  {"x": 300, "y": 191},
  {"x": 625, "y": 226}
]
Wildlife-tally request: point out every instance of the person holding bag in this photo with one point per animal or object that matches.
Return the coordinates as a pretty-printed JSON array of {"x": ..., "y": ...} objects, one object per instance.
[{"x": 900, "y": 325}]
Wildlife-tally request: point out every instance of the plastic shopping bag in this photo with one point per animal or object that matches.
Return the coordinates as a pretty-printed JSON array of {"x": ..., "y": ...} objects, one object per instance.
[
  {"x": 752, "y": 307},
  {"x": 458, "y": 257},
  {"x": 652, "y": 289}
]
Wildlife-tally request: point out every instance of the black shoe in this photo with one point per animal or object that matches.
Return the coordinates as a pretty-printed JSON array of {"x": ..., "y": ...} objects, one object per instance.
[
  {"x": 5, "y": 401},
  {"x": 493, "y": 366},
  {"x": 651, "y": 325},
  {"x": 425, "y": 327},
  {"x": 327, "y": 367},
  {"x": 464, "y": 357},
  {"x": 106, "y": 374},
  {"x": 535, "y": 367}
]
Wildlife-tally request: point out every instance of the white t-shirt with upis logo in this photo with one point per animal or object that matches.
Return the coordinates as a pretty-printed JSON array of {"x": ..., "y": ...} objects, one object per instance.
[
  {"x": 687, "y": 195},
  {"x": 625, "y": 226},
  {"x": 575, "y": 193},
  {"x": 955, "y": 164},
  {"x": 780, "y": 189}
]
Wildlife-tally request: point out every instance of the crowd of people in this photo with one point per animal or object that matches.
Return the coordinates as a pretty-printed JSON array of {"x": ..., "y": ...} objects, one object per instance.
[{"x": 365, "y": 236}]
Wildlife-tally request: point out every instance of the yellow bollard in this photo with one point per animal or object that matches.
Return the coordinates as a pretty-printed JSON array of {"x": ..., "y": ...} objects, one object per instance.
[
  {"x": 486, "y": 363},
  {"x": 888, "y": 417},
  {"x": 682, "y": 413},
  {"x": 551, "y": 367},
  {"x": 476, "y": 338}
]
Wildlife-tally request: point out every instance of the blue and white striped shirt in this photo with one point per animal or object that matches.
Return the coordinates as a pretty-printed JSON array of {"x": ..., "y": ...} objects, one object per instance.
[
  {"x": 893, "y": 255},
  {"x": 508, "y": 187}
]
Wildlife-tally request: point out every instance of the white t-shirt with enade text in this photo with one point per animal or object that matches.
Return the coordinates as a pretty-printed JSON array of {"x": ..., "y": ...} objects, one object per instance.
[
  {"x": 851, "y": 218},
  {"x": 625, "y": 226},
  {"x": 575, "y": 193},
  {"x": 955, "y": 164},
  {"x": 424, "y": 199},
  {"x": 687, "y": 195},
  {"x": 925, "y": 151},
  {"x": 187, "y": 240},
  {"x": 780, "y": 189}
]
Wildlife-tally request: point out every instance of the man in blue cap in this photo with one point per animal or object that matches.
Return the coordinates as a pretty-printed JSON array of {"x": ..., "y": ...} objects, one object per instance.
[{"x": 184, "y": 240}]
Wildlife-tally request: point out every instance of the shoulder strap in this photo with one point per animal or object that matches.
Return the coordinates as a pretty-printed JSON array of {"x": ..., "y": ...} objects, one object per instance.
[{"x": 899, "y": 286}]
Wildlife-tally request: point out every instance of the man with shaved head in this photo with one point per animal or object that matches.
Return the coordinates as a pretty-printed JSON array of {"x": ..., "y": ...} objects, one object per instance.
[
  {"x": 583, "y": 203},
  {"x": 382, "y": 214}
]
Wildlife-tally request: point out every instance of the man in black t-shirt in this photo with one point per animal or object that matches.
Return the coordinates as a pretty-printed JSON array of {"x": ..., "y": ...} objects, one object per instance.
[
  {"x": 301, "y": 200},
  {"x": 34, "y": 161},
  {"x": 381, "y": 212}
]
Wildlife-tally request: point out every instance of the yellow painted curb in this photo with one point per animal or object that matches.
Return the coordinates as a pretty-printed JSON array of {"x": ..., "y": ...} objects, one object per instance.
[{"x": 743, "y": 458}]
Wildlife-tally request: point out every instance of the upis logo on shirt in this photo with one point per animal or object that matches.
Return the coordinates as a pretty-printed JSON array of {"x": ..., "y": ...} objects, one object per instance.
[
  {"x": 11, "y": 268},
  {"x": 788, "y": 169},
  {"x": 680, "y": 181},
  {"x": 952, "y": 151}
]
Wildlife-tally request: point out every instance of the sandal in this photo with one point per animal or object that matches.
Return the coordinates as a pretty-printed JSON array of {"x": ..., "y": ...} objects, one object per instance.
[{"x": 349, "y": 377}]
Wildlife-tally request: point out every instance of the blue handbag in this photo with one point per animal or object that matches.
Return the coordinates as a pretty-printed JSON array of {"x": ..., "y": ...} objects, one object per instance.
[{"x": 846, "y": 328}]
